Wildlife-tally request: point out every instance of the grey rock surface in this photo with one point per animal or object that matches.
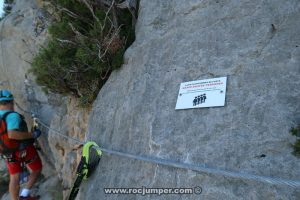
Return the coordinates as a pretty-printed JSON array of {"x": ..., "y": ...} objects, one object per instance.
[
  {"x": 22, "y": 32},
  {"x": 4, "y": 178},
  {"x": 49, "y": 189},
  {"x": 21, "y": 35},
  {"x": 256, "y": 44},
  {"x": 18, "y": 43}
]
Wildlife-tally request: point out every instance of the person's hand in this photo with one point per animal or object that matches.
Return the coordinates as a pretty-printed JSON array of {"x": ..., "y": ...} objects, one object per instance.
[{"x": 36, "y": 133}]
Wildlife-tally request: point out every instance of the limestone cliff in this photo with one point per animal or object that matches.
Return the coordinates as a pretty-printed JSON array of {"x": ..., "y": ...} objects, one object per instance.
[
  {"x": 256, "y": 45},
  {"x": 21, "y": 35}
]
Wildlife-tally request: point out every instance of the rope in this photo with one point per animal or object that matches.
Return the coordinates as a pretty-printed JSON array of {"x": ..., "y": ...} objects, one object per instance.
[
  {"x": 170, "y": 163},
  {"x": 209, "y": 170},
  {"x": 20, "y": 108},
  {"x": 59, "y": 133},
  {"x": 188, "y": 166}
]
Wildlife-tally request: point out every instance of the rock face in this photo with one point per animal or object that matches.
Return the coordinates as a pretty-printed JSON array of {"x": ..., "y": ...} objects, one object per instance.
[
  {"x": 21, "y": 34},
  {"x": 256, "y": 44},
  {"x": 4, "y": 178},
  {"x": 72, "y": 122}
]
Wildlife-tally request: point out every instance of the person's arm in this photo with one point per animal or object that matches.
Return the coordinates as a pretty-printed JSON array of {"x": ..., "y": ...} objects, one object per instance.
[
  {"x": 17, "y": 135},
  {"x": 13, "y": 121}
]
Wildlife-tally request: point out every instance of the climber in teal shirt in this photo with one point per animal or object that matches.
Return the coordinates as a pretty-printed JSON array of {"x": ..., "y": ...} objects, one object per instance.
[
  {"x": 13, "y": 120},
  {"x": 17, "y": 148}
]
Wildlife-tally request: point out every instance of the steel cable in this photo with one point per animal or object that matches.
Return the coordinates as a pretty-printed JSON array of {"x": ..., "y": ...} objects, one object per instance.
[{"x": 190, "y": 166}]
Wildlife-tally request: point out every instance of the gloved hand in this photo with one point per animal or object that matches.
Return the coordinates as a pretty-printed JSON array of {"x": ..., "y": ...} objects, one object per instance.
[{"x": 36, "y": 133}]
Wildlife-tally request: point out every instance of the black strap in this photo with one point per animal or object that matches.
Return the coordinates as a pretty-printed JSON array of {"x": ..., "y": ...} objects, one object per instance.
[
  {"x": 75, "y": 188},
  {"x": 6, "y": 114},
  {"x": 30, "y": 160}
]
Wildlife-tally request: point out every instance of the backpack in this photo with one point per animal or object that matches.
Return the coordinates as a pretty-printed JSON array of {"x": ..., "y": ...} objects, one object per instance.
[{"x": 7, "y": 145}]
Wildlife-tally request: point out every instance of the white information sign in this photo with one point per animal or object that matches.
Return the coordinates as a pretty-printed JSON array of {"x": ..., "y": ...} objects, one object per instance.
[{"x": 202, "y": 93}]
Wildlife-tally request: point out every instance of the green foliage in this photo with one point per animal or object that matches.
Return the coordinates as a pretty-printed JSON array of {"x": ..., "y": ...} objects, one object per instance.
[
  {"x": 296, "y": 146},
  {"x": 83, "y": 48},
  {"x": 295, "y": 131},
  {"x": 7, "y": 7}
]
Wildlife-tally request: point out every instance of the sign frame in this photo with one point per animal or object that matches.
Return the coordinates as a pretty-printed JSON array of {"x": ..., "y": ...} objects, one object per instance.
[{"x": 202, "y": 93}]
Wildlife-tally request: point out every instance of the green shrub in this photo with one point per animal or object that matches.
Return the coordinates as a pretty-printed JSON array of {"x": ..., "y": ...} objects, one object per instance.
[
  {"x": 86, "y": 43},
  {"x": 295, "y": 131},
  {"x": 7, "y": 7},
  {"x": 296, "y": 146}
]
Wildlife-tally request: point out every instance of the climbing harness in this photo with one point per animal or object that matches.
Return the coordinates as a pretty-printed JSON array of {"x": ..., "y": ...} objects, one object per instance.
[
  {"x": 90, "y": 159},
  {"x": 24, "y": 174},
  {"x": 7, "y": 157},
  {"x": 9, "y": 147}
]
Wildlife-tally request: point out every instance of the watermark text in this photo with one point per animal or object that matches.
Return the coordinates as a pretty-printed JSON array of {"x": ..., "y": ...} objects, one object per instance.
[{"x": 158, "y": 191}]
